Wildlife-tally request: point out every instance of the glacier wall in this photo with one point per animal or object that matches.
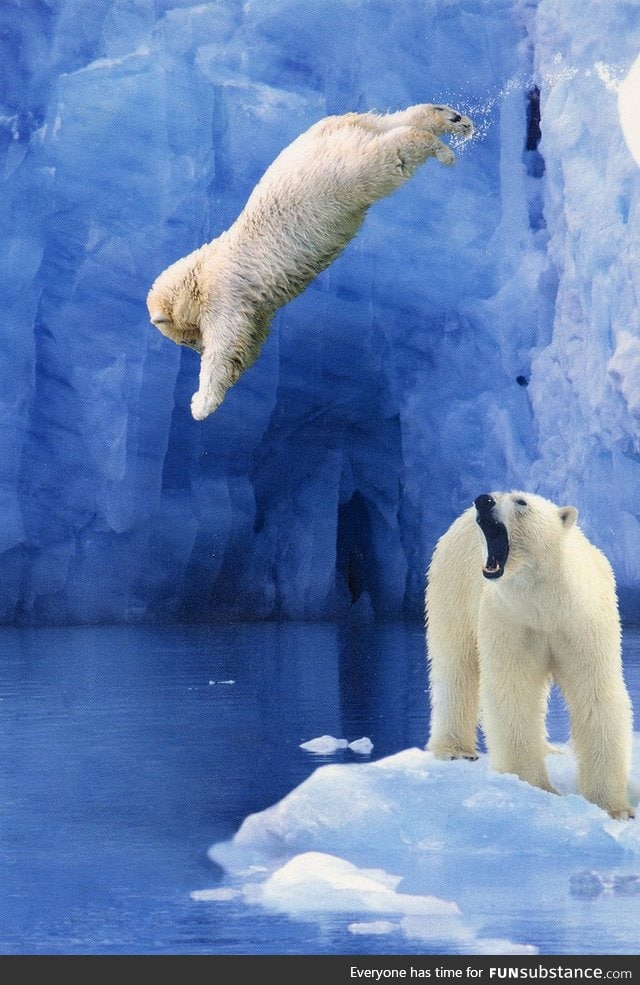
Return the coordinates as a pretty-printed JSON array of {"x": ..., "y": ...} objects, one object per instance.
[{"x": 480, "y": 332}]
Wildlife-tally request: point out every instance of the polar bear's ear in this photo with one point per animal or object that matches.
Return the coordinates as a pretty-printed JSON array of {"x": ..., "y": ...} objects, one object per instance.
[{"x": 568, "y": 516}]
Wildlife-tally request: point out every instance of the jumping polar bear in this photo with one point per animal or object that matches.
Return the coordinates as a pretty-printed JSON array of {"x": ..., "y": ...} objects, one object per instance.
[
  {"x": 221, "y": 299},
  {"x": 517, "y": 596}
]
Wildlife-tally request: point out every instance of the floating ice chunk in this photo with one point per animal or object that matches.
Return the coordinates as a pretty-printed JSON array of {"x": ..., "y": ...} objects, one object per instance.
[
  {"x": 447, "y": 830},
  {"x": 362, "y": 746},
  {"x": 316, "y": 882},
  {"x": 324, "y": 744},
  {"x": 322, "y": 883}
]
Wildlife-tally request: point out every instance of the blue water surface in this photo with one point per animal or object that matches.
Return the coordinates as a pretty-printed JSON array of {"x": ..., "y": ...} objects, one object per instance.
[{"x": 126, "y": 752}]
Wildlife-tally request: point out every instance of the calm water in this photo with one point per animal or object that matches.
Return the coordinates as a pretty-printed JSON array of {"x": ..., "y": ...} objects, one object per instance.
[{"x": 126, "y": 752}]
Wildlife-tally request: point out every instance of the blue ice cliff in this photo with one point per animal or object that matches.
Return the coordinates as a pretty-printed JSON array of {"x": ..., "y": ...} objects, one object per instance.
[{"x": 481, "y": 332}]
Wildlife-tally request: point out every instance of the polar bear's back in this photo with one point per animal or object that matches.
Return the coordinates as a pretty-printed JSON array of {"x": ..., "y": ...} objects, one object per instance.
[
  {"x": 454, "y": 576},
  {"x": 339, "y": 157},
  {"x": 311, "y": 201}
]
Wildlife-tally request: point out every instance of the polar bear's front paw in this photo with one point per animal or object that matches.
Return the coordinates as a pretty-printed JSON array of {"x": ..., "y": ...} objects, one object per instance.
[
  {"x": 202, "y": 406},
  {"x": 450, "y": 750},
  {"x": 622, "y": 813},
  {"x": 444, "y": 154}
]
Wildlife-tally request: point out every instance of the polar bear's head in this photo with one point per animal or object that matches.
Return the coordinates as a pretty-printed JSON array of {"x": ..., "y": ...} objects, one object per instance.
[
  {"x": 519, "y": 529},
  {"x": 174, "y": 302},
  {"x": 444, "y": 119}
]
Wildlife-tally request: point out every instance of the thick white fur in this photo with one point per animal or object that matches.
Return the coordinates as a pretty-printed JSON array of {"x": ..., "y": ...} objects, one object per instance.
[
  {"x": 494, "y": 647},
  {"x": 309, "y": 204}
]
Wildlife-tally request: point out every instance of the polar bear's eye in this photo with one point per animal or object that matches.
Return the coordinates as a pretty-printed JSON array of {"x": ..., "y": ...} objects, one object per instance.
[{"x": 521, "y": 502}]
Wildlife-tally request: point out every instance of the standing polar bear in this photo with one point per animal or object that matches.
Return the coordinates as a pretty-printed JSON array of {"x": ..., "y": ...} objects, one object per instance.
[
  {"x": 221, "y": 299},
  {"x": 517, "y": 597}
]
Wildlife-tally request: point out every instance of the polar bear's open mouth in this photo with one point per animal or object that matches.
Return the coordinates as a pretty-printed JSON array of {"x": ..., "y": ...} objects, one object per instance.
[{"x": 495, "y": 534}]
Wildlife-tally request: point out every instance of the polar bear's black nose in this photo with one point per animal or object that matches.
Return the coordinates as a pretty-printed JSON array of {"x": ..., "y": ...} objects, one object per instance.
[{"x": 484, "y": 503}]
